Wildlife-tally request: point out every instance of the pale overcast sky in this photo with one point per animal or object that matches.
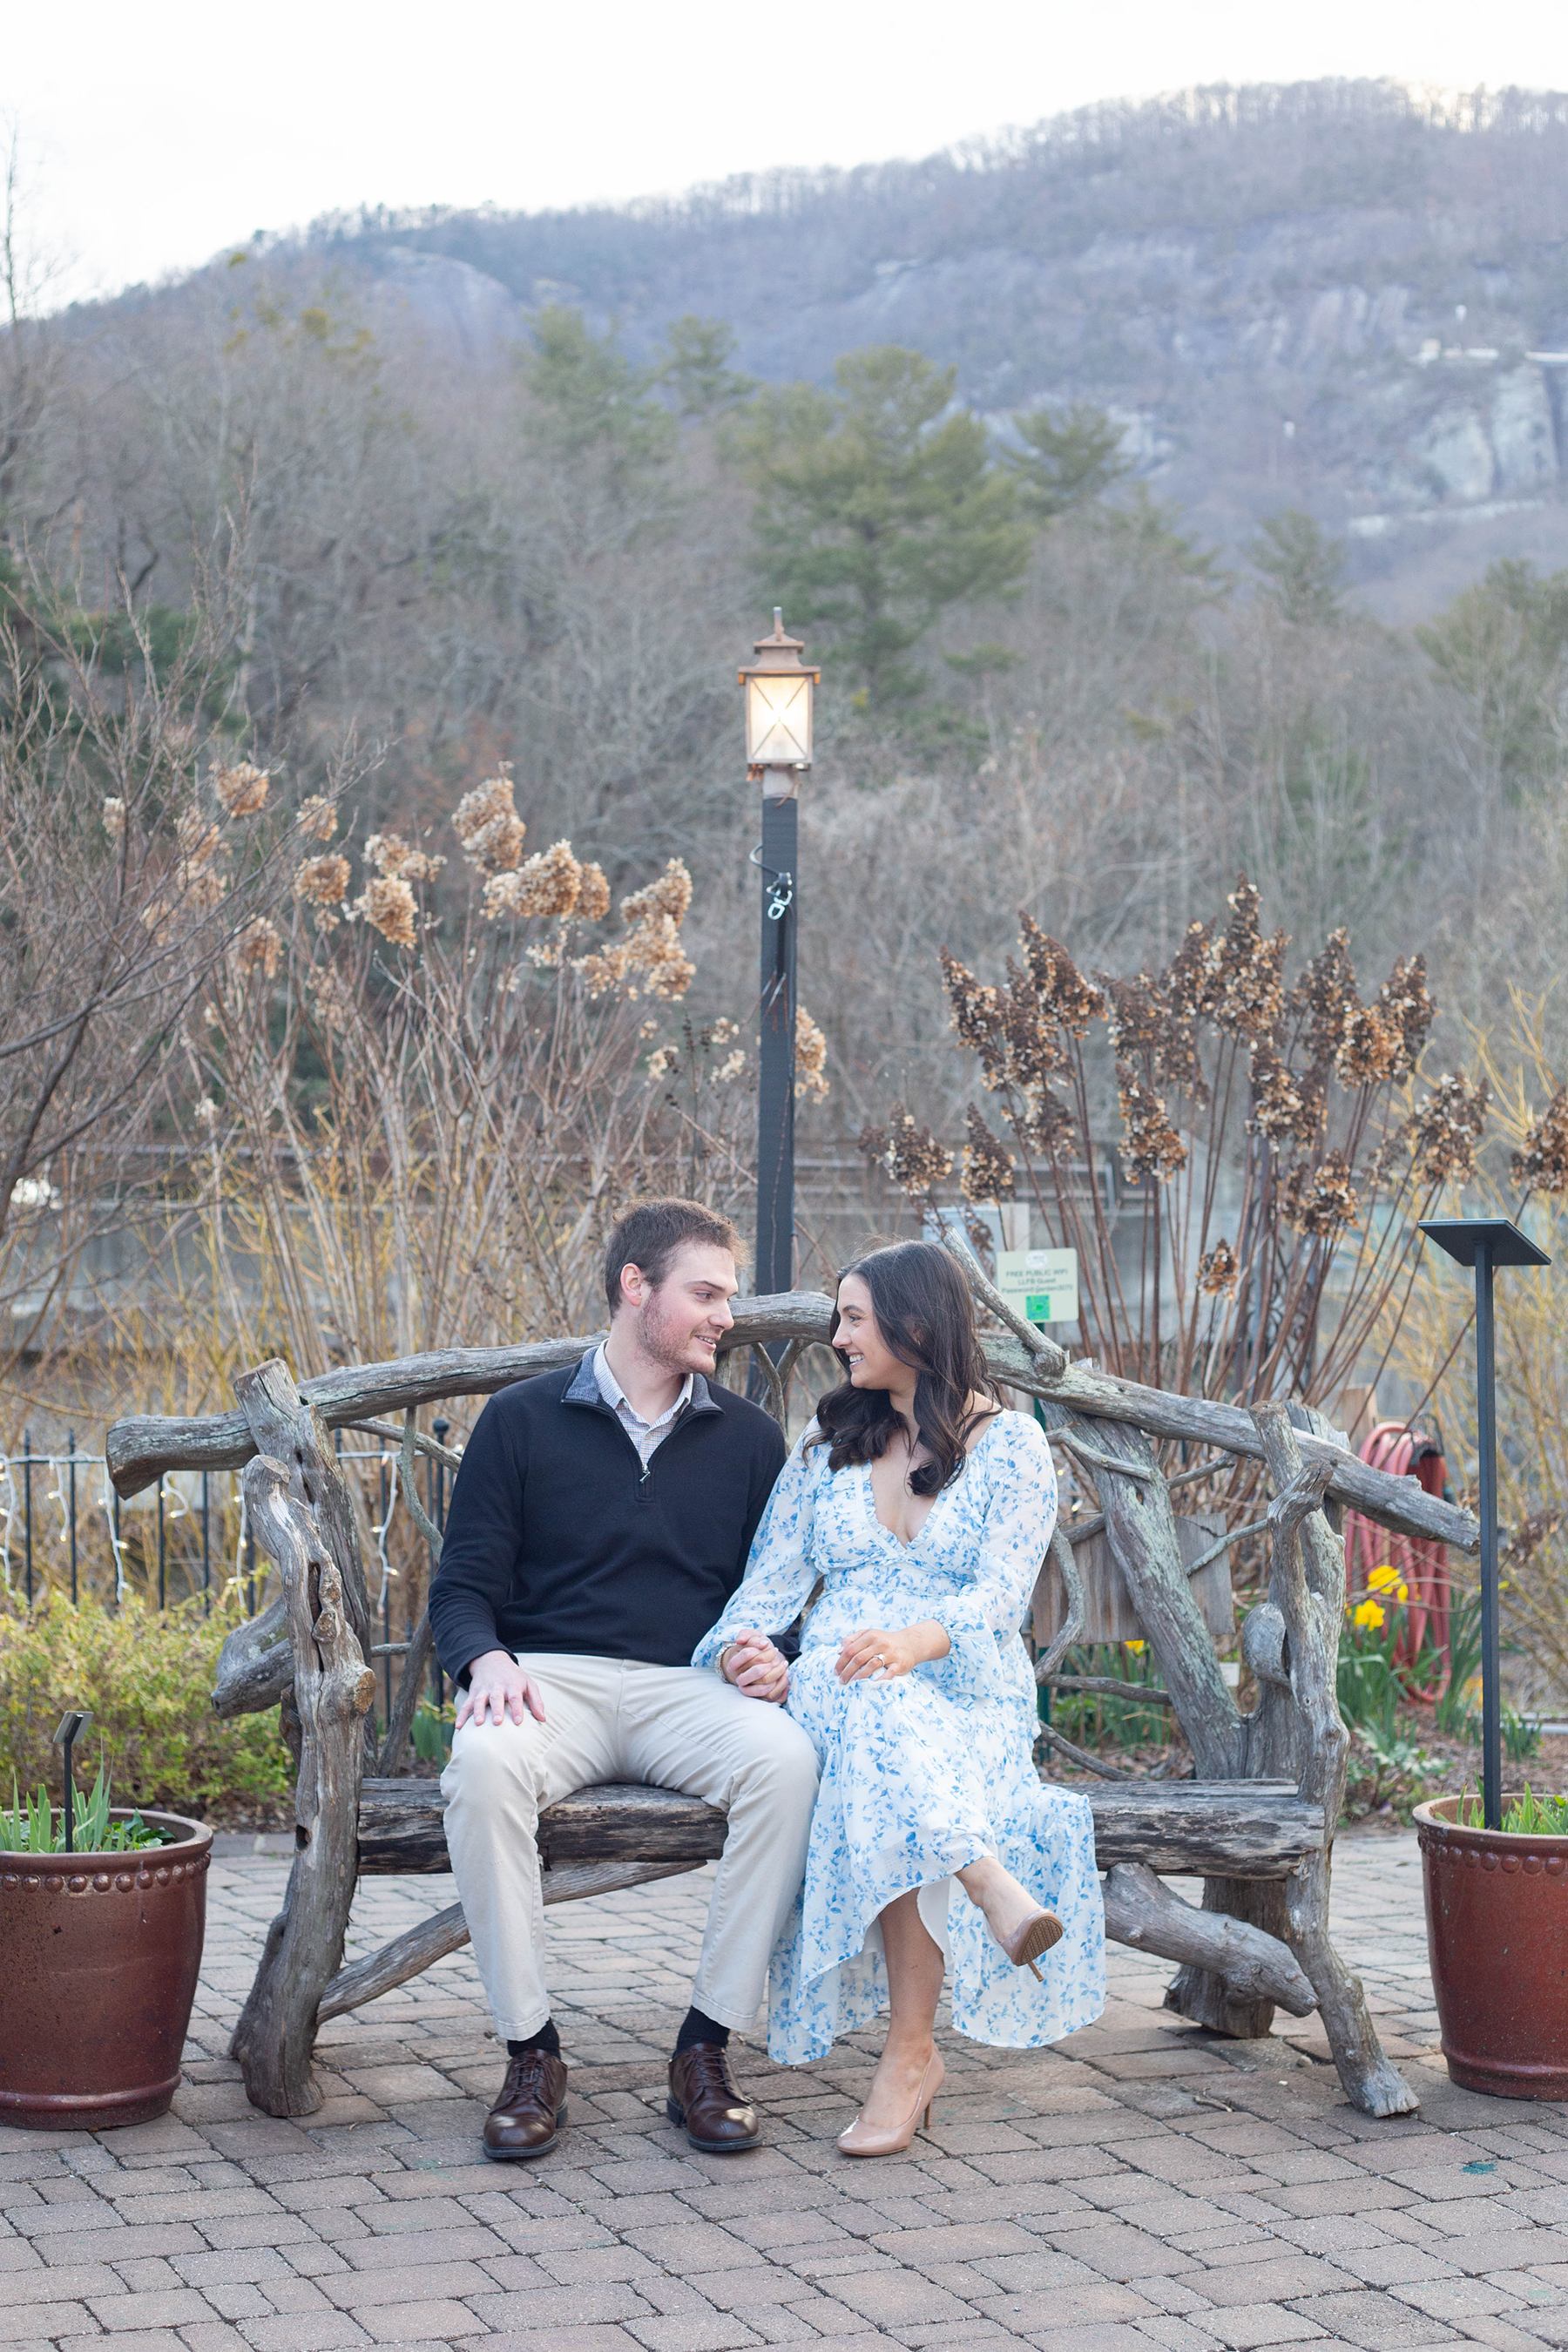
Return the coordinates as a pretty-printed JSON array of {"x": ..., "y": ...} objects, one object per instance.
[{"x": 152, "y": 137}]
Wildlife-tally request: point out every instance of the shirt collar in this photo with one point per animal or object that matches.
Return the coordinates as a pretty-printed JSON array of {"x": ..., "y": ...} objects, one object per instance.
[{"x": 616, "y": 1398}]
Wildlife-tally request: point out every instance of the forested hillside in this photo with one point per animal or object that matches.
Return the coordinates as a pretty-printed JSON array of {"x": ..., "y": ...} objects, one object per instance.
[{"x": 1006, "y": 435}]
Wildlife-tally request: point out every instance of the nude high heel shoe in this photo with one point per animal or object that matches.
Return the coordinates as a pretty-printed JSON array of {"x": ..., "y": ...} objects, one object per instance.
[
  {"x": 1027, "y": 1943},
  {"x": 866, "y": 2139}
]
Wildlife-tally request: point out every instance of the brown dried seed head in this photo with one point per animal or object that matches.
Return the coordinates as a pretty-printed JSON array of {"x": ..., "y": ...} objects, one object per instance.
[
  {"x": 1542, "y": 1162},
  {"x": 488, "y": 824},
  {"x": 242, "y": 789},
  {"x": 810, "y": 1059},
  {"x": 593, "y": 895},
  {"x": 318, "y": 818},
  {"x": 1404, "y": 999},
  {"x": 974, "y": 1005},
  {"x": 1250, "y": 989},
  {"x": 1321, "y": 1201},
  {"x": 258, "y": 947},
  {"x": 387, "y": 905},
  {"x": 669, "y": 896},
  {"x": 1064, "y": 992},
  {"x": 1372, "y": 1050},
  {"x": 324, "y": 880},
  {"x": 1218, "y": 1271},
  {"x": 1150, "y": 1146},
  {"x": 988, "y": 1172},
  {"x": 1444, "y": 1132},
  {"x": 1278, "y": 1108}
]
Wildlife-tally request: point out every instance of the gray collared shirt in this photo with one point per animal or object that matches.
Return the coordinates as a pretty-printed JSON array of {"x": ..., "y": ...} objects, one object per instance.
[{"x": 645, "y": 1435}]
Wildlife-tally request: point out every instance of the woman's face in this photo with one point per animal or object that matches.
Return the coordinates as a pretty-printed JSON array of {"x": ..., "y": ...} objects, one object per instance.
[{"x": 872, "y": 1363}]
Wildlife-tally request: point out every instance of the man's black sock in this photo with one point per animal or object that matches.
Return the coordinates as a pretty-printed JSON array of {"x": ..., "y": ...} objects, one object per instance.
[
  {"x": 546, "y": 2038},
  {"x": 699, "y": 2028}
]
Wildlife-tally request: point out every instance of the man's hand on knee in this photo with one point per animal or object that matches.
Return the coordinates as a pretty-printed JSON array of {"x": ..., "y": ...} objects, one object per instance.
[
  {"x": 757, "y": 1668},
  {"x": 498, "y": 1687}
]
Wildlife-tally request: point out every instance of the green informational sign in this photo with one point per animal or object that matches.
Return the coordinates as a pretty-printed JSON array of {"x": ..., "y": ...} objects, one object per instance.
[{"x": 1039, "y": 1285}]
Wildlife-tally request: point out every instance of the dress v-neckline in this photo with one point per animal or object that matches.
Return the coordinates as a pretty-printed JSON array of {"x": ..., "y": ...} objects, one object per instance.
[{"x": 937, "y": 1499}]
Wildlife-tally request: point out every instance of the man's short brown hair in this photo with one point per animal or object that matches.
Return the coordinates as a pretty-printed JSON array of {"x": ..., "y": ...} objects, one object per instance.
[{"x": 648, "y": 1235}]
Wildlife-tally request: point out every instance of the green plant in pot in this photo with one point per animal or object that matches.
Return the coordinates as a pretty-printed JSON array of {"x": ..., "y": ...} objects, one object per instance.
[{"x": 102, "y": 1915}]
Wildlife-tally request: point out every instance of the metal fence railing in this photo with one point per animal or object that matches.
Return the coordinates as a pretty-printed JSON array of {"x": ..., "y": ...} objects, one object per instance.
[{"x": 64, "y": 1530}]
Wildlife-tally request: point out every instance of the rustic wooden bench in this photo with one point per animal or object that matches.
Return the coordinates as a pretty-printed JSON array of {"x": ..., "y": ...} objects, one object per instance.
[{"x": 1256, "y": 1823}]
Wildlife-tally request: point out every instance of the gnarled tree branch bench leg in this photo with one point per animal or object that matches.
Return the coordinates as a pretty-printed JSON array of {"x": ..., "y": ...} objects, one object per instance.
[{"x": 333, "y": 1688}]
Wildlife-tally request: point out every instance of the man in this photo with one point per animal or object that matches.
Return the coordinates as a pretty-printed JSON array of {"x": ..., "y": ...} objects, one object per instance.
[{"x": 600, "y": 1520}]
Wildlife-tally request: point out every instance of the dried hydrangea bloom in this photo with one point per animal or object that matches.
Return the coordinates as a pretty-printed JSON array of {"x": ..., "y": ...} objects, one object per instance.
[
  {"x": 114, "y": 819},
  {"x": 605, "y": 969},
  {"x": 1325, "y": 995},
  {"x": 1137, "y": 1014},
  {"x": 988, "y": 1171},
  {"x": 334, "y": 1001},
  {"x": 733, "y": 1067},
  {"x": 1321, "y": 1201},
  {"x": 1444, "y": 1132},
  {"x": 1250, "y": 995},
  {"x": 1404, "y": 999},
  {"x": 390, "y": 853},
  {"x": 258, "y": 948},
  {"x": 810, "y": 1058},
  {"x": 323, "y": 880},
  {"x": 1218, "y": 1271},
  {"x": 1371, "y": 1051},
  {"x": 654, "y": 952},
  {"x": 548, "y": 883},
  {"x": 200, "y": 888},
  {"x": 975, "y": 1010},
  {"x": 669, "y": 898},
  {"x": 387, "y": 905},
  {"x": 1278, "y": 1109},
  {"x": 1542, "y": 1162},
  {"x": 1064, "y": 992},
  {"x": 1192, "y": 981},
  {"x": 199, "y": 839},
  {"x": 1049, "y": 1126},
  {"x": 488, "y": 824},
  {"x": 318, "y": 818},
  {"x": 242, "y": 789},
  {"x": 593, "y": 894},
  {"x": 662, "y": 1060},
  {"x": 1150, "y": 1146},
  {"x": 1027, "y": 1045},
  {"x": 911, "y": 1153}
]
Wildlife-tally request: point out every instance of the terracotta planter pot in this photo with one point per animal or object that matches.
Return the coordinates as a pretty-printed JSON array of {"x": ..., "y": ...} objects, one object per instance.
[
  {"x": 101, "y": 1955},
  {"x": 1497, "y": 1931}
]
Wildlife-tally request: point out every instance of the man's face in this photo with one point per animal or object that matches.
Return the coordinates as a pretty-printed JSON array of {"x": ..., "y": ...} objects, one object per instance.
[{"x": 681, "y": 1324}]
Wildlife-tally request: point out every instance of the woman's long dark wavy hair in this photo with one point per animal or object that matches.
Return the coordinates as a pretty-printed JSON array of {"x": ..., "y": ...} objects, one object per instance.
[{"x": 923, "y": 1313}]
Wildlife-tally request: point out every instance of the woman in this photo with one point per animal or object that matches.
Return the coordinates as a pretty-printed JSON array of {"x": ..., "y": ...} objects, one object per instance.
[{"x": 924, "y": 1511}]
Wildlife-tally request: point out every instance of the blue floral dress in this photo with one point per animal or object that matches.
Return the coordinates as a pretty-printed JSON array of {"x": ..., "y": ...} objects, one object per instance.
[{"x": 924, "y": 1773}]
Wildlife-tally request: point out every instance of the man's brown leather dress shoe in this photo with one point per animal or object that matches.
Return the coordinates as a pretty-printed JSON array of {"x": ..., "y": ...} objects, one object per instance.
[
  {"x": 531, "y": 2109},
  {"x": 703, "y": 2097}
]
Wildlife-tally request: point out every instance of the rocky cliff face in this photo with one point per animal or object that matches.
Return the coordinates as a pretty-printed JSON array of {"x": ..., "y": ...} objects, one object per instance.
[{"x": 1334, "y": 296}]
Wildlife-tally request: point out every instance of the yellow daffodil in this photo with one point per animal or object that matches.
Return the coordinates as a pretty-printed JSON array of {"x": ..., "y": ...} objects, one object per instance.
[
  {"x": 1133, "y": 1645},
  {"x": 1367, "y": 1613},
  {"x": 1382, "y": 1578}
]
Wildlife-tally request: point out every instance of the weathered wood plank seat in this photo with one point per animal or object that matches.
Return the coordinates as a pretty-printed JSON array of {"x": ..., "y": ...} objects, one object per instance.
[
  {"x": 1256, "y": 1824},
  {"x": 1232, "y": 1829}
]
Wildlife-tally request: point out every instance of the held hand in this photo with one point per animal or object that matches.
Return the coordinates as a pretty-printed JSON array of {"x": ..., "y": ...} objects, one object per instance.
[
  {"x": 757, "y": 1668},
  {"x": 877, "y": 1656},
  {"x": 498, "y": 1686}
]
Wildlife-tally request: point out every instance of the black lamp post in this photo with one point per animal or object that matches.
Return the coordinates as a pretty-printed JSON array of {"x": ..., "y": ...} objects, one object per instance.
[
  {"x": 1485, "y": 1244},
  {"x": 778, "y": 752}
]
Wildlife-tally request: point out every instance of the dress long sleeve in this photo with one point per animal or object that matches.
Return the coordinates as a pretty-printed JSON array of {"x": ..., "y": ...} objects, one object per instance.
[
  {"x": 1020, "y": 1514},
  {"x": 780, "y": 1571}
]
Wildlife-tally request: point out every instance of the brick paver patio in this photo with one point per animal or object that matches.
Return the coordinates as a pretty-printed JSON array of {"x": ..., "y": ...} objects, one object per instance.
[{"x": 1143, "y": 2185}]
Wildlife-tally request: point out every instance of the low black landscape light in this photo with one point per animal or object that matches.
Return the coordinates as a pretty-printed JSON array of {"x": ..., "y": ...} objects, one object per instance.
[
  {"x": 1485, "y": 1244},
  {"x": 72, "y": 1724}
]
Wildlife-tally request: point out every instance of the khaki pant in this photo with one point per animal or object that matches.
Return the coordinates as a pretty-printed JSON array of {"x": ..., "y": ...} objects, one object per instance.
[{"x": 614, "y": 1719}]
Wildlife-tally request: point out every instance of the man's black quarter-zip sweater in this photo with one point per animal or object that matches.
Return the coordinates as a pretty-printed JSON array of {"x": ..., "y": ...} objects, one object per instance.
[{"x": 558, "y": 1539}]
